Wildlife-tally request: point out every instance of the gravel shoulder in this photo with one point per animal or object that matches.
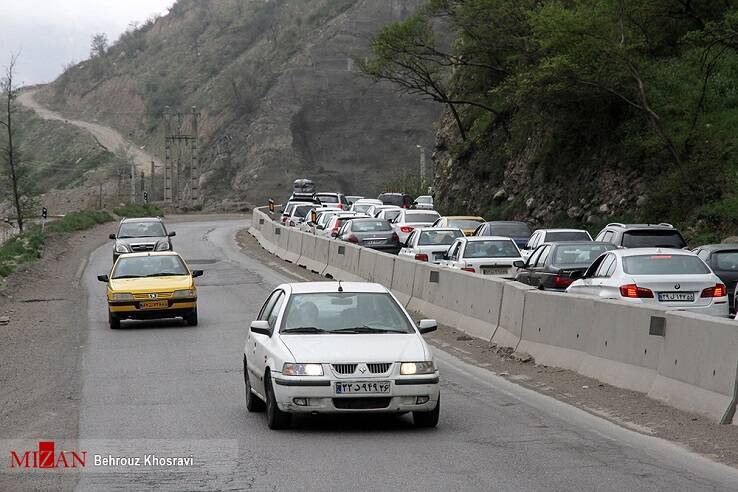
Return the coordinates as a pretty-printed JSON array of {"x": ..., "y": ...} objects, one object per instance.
[{"x": 628, "y": 409}]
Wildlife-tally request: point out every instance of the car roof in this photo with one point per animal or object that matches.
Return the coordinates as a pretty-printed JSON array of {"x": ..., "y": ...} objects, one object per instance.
[
  {"x": 485, "y": 238},
  {"x": 372, "y": 201},
  {"x": 496, "y": 222},
  {"x": 326, "y": 193},
  {"x": 463, "y": 217},
  {"x": 419, "y": 211},
  {"x": 310, "y": 287},
  {"x": 579, "y": 243},
  {"x": 142, "y": 219},
  {"x": 650, "y": 251},
  {"x": 424, "y": 229},
  {"x": 618, "y": 225},
  {"x": 719, "y": 247},
  {"x": 560, "y": 230},
  {"x": 149, "y": 253}
]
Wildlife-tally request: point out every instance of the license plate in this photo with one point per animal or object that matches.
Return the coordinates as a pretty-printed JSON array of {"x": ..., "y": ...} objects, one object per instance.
[
  {"x": 376, "y": 241},
  {"x": 676, "y": 296},
  {"x": 494, "y": 270},
  {"x": 154, "y": 304},
  {"x": 362, "y": 387}
]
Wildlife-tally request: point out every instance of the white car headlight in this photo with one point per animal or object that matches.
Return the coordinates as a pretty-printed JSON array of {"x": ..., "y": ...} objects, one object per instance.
[
  {"x": 290, "y": 369},
  {"x": 122, "y": 296},
  {"x": 183, "y": 293},
  {"x": 162, "y": 246},
  {"x": 122, "y": 248},
  {"x": 410, "y": 368}
]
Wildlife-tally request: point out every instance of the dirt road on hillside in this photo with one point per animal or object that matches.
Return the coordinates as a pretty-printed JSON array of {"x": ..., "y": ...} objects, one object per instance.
[{"x": 105, "y": 136}]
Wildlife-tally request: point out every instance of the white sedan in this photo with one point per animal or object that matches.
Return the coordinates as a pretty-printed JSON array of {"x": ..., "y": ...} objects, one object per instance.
[
  {"x": 657, "y": 277},
  {"x": 430, "y": 243},
  {"x": 408, "y": 220},
  {"x": 488, "y": 255},
  {"x": 332, "y": 347},
  {"x": 361, "y": 206}
]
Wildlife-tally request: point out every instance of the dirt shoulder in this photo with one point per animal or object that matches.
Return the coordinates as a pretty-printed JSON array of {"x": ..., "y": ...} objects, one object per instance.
[
  {"x": 629, "y": 409},
  {"x": 41, "y": 349}
]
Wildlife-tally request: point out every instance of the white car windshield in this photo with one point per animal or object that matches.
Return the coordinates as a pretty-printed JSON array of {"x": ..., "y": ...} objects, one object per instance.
[
  {"x": 149, "y": 266},
  {"x": 344, "y": 312},
  {"x": 491, "y": 248},
  {"x": 665, "y": 264}
]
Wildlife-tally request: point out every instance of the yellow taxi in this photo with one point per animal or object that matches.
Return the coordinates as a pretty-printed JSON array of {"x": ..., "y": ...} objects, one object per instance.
[
  {"x": 467, "y": 223},
  {"x": 152, "y": 285}
]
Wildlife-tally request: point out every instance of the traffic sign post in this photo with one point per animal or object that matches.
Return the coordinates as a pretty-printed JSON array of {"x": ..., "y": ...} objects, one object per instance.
[
  {"x": 44, "y": 214},
  {"x": 146, "y": 197}
]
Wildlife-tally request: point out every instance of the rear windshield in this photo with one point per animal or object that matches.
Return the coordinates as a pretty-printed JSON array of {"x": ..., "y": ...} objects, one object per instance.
[
  {"x": 464, "y": 223},
  {"x": 302, "y": 210},
  {"x": 579, "y": 254},
  {"x": 398, "y": 200},
  {"x": 328, "y": 198},
  {"x": 664, "y": 265},
  {"x": 149, "y": 266},
  {"x": 509, "y": 230},
  {"x": 438, "y": 238},
  {"x": 424, "y": 199},
  {"x": 561, "y": 236},
  {"x": 492, "y": 248},
  {"x": 344, "y": 312},
  {"x": 653, "y": 239},
  {"x": 361, "y": 207},
  {"x": 421, "y": 217},
  {"x": 391, "y": 214},
  {"x": 727, "y": 261},
  {"x": 370, "y": 225}
]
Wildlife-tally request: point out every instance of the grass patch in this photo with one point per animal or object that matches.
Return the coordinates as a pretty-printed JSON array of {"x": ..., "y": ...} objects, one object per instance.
[
  {"x": 24, "y": 248},
  {"x": 133, "y": 210},
  {"x": 77, "y": 221}
]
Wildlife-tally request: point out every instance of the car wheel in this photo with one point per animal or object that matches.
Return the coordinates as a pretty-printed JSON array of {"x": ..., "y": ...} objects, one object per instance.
[
  {"x": 276, "y": 418},
  {"x": 113, "y": 321},
  {"x": 192, "y": 318},
  {"x": 253, "y": 402},
  {"x": 428, "y": 419}
]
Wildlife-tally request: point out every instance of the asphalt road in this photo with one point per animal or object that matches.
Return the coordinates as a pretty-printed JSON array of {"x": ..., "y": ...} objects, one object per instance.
[{"x": 156, "y": 387}]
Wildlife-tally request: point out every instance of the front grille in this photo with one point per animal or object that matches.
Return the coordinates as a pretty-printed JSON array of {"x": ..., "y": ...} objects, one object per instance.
[
  {"x": 344, "y": 368},
  {"x": 159, "y": 295},
  {"x": 379, "y": 368},
  {"x": 362, "y": 403},
  {"x": 142, "y": 247}
]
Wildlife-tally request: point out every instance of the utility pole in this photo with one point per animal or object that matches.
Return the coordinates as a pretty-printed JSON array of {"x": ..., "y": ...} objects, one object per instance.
[
  {"x": 143, "y": 182},
  {"x": 422, "y": 166},
  {"x": 176, "y": 180},
  {"x": 194, "y": 164},
  {"x": 100, "y": 200},
  {"x": 133, "y": 180},
  {"x": 167, "y": 156},
  {"x": 151, "y": 183}
]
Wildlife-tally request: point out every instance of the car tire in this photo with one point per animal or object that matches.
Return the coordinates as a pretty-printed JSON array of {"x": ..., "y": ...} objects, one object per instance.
[
  {"x": 276, "y": 418},
  {"x": 427, "y": 420},
  {"x": 191, "y": 318},
  {"x": 253, "y": 402},
  {"x": 113, "y": 321}
]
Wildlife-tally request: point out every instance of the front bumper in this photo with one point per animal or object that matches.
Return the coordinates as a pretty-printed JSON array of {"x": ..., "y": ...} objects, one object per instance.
[
  {"x": 320, "y": 396},
  {"x": 133, "y": 310}
]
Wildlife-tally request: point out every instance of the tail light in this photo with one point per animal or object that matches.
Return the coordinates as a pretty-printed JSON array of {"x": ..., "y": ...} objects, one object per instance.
[
  {"x": 469, "y": 269},
  {"x": 406, "y": 229},
  {"x": 632, "y": 291},
  {"x": 563, "y": 282},
  {"x": 421, "y": 257},
  {"x": 353, "y": 239},
  {"x": 718, "y": 291}
]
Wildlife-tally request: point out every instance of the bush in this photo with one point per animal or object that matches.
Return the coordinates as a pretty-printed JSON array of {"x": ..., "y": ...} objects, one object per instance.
[
  {"x": 23, "y": 248},
  {"x": 77, "y": 221},
  {"x": 137, "y": 210}
]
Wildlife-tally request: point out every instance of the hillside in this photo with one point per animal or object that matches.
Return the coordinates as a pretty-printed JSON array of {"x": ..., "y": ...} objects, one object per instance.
[
  {"x": 578, "y": 113},
  {"x": 277, "y": 88}
]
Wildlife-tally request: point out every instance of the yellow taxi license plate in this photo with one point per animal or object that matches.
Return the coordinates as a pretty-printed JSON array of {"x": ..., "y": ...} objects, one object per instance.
[{"x": 154, "y": 304}]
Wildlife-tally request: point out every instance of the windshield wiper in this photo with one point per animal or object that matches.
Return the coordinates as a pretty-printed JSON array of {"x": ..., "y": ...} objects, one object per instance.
[
  {"x": 303, "y": 329},
  {"x": 164, "y": 274},
  {"x": 366, "y": 329},
  {"x": 127, "y": 276}
]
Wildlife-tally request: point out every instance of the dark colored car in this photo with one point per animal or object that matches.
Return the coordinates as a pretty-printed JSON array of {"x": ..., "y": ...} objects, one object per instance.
[
  {"x": 141, "y": 235},
  {"x": 398, "y": 199},
  {"x": 723, "y": 259},
  {"x": 370, "y": 233},
  {"x": 517, "y": 231},
  {"x": 551, "y": 265},
  {"x": 642, "y": 236}
]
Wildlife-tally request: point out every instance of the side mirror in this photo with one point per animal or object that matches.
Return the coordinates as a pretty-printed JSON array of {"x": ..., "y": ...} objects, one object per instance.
[
  {"x": 172, "y": 234},
  {"x": 197, "y": 273},
  {"x": 334, "y": 234},
  {"x": 427, "y": 326},
  {"x": 576, "y": 274},
  {"x": 103, "y": 278},
  {"x": 112, "y": 236},
  {"x": 519, "y": 263},
  {"x": 261, "y": 327}
]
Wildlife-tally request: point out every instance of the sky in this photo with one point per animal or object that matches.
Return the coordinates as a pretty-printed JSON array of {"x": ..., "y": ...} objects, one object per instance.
[{"x": 52, "y": 33}]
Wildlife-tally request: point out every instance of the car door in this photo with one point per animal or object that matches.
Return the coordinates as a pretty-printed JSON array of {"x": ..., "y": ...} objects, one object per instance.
[
  {"x": 456, "y": 254},
  {"x": 584, "y": 285},
  {"x": 598, "y": 281},
  {"x": 531, "y": 246},
  {"x": 408, "y": 249},
  {"x": 609, "y": 288},
  {"x": 524, "y": 273},
  {"x": 535, "y": 270},
  {"x": 452, "y": 252},
  {"x": 264, "y": 345}
]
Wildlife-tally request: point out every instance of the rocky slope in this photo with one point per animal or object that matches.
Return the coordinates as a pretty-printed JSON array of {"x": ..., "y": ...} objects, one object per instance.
[{"x": 277, "y": 88}]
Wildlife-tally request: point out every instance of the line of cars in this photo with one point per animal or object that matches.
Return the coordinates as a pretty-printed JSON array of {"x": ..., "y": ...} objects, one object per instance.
[
  {"x": 651, "y": 257},
  {"x": 148, "y": 279}
]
